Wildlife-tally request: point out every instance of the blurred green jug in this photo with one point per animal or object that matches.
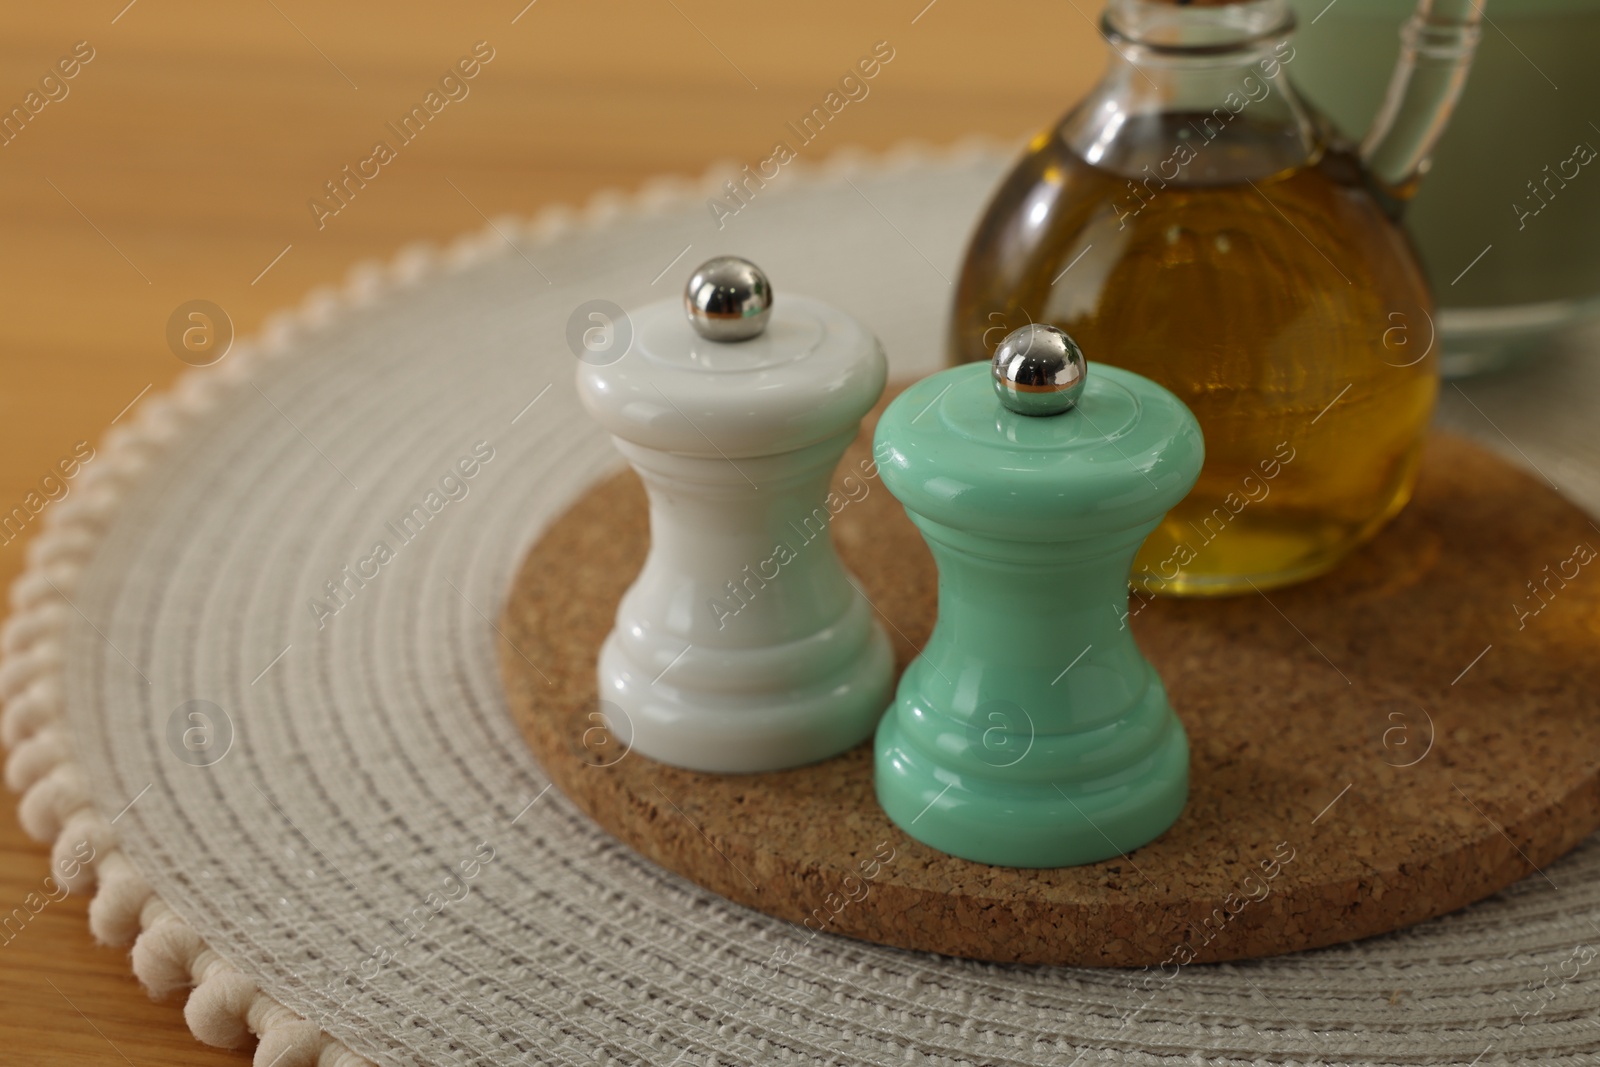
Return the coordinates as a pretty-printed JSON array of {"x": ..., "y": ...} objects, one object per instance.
[{"x": 1508, "y": 222}]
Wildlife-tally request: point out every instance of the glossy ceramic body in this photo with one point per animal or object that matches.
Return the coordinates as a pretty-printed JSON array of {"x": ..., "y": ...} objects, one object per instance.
[
  {"x": 1032, "y": 732},
  {"x": 742, "y": 646}
]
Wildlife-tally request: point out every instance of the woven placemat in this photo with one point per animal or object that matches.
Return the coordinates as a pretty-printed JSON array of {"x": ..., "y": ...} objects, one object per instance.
[{"x": 351, "y": 853}]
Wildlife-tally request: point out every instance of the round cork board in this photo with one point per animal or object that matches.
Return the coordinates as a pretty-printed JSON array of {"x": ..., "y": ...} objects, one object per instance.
[{"x": 1382, "y": 745}]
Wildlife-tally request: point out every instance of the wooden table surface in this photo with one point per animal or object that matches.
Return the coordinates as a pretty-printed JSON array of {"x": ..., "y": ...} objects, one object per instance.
[{"x": 177, "y": 164}]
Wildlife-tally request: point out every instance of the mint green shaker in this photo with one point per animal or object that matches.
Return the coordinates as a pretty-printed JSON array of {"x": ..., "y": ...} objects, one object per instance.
[{"x": 1032, "y": 732}]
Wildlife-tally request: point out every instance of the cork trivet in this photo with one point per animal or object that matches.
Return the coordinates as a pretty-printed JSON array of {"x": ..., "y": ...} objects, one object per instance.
[{"x": 1371, "y": 749}]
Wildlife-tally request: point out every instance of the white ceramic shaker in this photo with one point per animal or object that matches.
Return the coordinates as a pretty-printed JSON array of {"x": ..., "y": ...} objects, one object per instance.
[{"x": 742, "y": 645}]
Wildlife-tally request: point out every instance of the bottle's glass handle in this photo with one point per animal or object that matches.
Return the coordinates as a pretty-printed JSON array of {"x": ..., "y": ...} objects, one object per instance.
[{"x": 1436, "y": 48}]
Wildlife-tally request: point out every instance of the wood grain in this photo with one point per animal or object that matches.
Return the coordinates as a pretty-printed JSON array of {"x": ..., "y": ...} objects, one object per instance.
[
  {"x": 180, "y": 163},
  {"x": 1341, "y": 784}
]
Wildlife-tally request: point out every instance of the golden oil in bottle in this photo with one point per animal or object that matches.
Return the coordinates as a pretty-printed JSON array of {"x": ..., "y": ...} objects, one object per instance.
[{"x": 1286, "y": 309}]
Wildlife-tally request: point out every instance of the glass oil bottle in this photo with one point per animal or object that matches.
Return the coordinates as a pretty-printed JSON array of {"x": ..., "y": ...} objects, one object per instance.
[{"x": 1195, "y": 221}]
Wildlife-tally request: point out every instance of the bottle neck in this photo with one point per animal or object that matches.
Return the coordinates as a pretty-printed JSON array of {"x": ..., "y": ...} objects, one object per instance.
[
  {"x": 1195, "y": 95},
  {"x": 1184, "y": 27}
]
